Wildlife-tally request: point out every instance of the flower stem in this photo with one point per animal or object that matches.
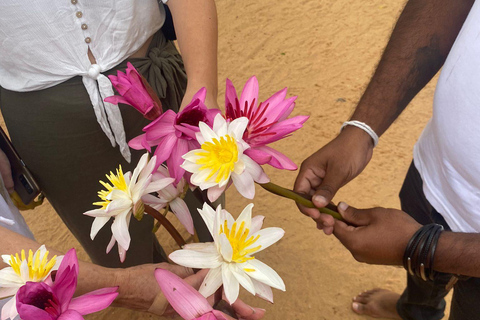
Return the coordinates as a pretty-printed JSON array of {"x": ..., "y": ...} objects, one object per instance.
[
  {"x": 167, "y": 224},
  {"x": 302, "y": 199}
]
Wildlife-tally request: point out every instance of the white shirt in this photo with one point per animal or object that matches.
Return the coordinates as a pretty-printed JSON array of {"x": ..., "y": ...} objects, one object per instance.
[
  {"x": 447, "y": 154},
  {"x": 44, "y": 43}
]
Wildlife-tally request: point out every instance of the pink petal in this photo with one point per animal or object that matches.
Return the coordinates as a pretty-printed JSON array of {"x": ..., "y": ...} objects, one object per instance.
[
  {"x": 215, "y": 192},
  {"x": 285, "y": 128},
  {"x": 258, "y": 155},
  {"x": 161, "y": 126},
  {"x": 280, "y": 110},
  {"x": 116, "y": 100},
  {"x": 186, "y": 301},
  {"x": 249, "y": 93},
  {"x": 165, "y": 148},
  {"x": 71, "y": 315},
  {"x": 278, "y": 160},
  {"x": 94, "y": 301},
  {"x": 175, "y": 160},
  {"x": 201, "y": 95},
  {"x": 179, "y": 207},
  {"x": 139, "y": 143},
  {"x": 9, "y": 310},
  {"x": 29, "y": 312},
  {"x": 244, "y": 184},
  {"x": 231, "y": 101}
]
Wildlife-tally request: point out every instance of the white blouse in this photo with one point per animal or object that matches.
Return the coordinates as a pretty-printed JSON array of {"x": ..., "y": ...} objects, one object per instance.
[{"x": 45, "y": 42}]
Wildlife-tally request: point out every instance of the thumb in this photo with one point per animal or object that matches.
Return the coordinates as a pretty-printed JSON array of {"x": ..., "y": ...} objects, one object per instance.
[
  {"x": 353, "y": 216},
  {"x": 327, "y": 189}
]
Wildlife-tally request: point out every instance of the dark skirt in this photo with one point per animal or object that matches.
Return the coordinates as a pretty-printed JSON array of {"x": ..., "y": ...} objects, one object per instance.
[{"x": 56, "y": 133}]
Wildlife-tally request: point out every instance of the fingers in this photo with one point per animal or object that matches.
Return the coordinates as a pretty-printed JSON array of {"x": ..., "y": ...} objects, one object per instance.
[
  {"x": 327, "y": 189},
  {"x": 246, "y": 312},
  {"x": 354, "y": 216},
  {"x": 326, "y": 223},
  {"x": 180, "y": 271}
]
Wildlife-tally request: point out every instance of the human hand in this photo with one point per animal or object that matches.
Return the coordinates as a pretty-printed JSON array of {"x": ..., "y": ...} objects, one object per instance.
[
  {"x": 375, "y": 236},
  {"x": 6, "y": 172},
  {"x": 330, "y": 168}
]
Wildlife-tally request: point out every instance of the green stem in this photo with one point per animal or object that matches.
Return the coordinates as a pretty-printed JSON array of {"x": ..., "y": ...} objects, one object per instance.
[{"x": 300, "y": 199}]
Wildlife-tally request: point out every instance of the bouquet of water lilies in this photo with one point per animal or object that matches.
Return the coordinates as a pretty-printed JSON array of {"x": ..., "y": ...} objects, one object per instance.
[{"x": 199, "y": 148}]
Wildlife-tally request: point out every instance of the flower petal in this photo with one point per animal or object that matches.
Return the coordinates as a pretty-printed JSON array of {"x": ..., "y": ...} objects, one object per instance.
[
  {"x": 275, "y": 158},
  {"x": 249, "y": 93},
  {"x": 244, "y": 184},
  {"x": 208, "y": 215},
  {"x": 94, "y": 301},
  {"x": 98, "y": 224},
  {"x": 71, "y": 315},
  {"x": 195, "y": 259},
  {"x": 215, "y": 192},
  {"x": 181, "y": 211},
  {"x": 268, "y": 236},
  {"x": 257, "y": 223},
  {"x": 186, "y": 301},
  {"x": 225, "y": 247},
  {"x": 243, "y": 278},
  {"x": 9, "y": 310},
  {"x": 264, "y": 274},
  {"x": 212, "y": 282},
  {"x": 263, "y": 291},
  {"x": 6, "y": 292},
  {"x": 237, "y": 127},
  {"x": 120, "y": 229},
  {"x": 254, "y": 170},
  {"x": 230, "y": 283},
  {"x": 245, "y": 217}
]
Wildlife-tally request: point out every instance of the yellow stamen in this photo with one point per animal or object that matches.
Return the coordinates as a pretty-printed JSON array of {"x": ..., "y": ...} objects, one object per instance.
[
  {"x": 219, "y": 157},
  {"x": 38, "y": 267},
  {"x": 239, "y": 242},
  {"x": 117, "y": 181}
]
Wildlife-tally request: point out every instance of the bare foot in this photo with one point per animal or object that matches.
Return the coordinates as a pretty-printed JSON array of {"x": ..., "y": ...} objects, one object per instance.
[{"x": 377, "y": 303}]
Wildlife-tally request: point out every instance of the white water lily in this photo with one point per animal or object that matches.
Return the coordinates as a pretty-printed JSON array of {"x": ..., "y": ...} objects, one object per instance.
[
  {"x": 221, "y": 159},
  {"x": 123, "y": 198},
  {"x": 171, "y": 196},
  {"x": 36, "y": 267},
  {"x": 230, "y": 257}
]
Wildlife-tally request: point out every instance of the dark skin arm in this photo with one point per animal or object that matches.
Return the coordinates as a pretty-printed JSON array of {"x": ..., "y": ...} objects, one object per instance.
[
  {"x": 418, "y": 47},
  {"x": 380, "y": 236}
]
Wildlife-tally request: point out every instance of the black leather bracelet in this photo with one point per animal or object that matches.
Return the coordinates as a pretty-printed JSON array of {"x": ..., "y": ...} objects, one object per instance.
[
  {"x": 410, "y": 257},
  {"x": 432, "y": 253}
]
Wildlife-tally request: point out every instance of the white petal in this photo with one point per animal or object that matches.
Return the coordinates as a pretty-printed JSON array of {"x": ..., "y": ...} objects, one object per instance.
[
  {"x": 237, "y": 127},
  {"x": 195, "y": 259},
  {"x": 119, "y": 206},
  {"x": 215, "y": 192},
  {"x": 220, "y": 125},
  {"x": 207, "y": 247},
  {"x": 150, "y": 199},
  {"x": 268, "y": 236},
  {"x": 207, "y": 133},
  {"x": 120, "y": 229},
  {"x": 9, "y": 310},
  {"x": 208, "y": 215},
  {"x": 243, "y": 278},
  {"x": 244, "y": 184},
  {"x": 180, "y": 209},
  {"x": 245, "y": 217},
  {"x": 212, "y": 282},
  {"x": 98, "y": 224},
  {"x": 7, "y": 292},
  {"x": 24, "y": 271},
  {"x": 225, "y": 247},
  {"x": 230, "y": 283},
  {"x": 264, "y": 274},
  {"x": 257, "y": 223},
  {"x": 157, "y": 185},
  {"x": 111, "y": 244},
  {"x": 97, "y": 213},
  {"x": 141, "y": 164},
  {"x": 9, "y": 278},
  {"x": 6, "y": 258},
  {"x": 255, "y": 170},
  {"x": 263, "y": 291},
  {"x": 190, "y": 166}
]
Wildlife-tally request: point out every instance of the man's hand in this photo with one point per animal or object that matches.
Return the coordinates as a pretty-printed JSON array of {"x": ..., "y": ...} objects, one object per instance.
[
  {"x": 330, "y": 168},
  {"x": 375, "y": 236}
]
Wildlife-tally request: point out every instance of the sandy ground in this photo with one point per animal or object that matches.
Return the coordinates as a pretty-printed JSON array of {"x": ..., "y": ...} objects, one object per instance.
[{"x": 324, "y": 51}]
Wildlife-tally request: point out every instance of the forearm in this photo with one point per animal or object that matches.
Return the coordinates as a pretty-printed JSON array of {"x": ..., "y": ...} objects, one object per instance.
[
  {"x": 196, "y": 28},
  {"x": 458, "y": 253},
  {"x": 91, "y": 277},
  {"x": 418, "y": 47}
]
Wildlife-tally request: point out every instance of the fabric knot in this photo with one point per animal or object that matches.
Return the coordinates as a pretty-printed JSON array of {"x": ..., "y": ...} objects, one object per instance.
[{"x": 94, "y": 71}]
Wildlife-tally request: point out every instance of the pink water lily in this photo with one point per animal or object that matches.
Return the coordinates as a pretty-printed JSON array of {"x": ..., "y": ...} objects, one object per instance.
[
  {"x": 267, "y": 122},
  {"x": 135, "y": 91},
  {"x": 173, "y": 134},
  {"x": 52, "y": 299},
  {"x": 186, "y": 301}
]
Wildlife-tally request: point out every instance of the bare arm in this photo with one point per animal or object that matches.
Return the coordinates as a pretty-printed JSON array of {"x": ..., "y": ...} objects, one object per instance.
[
  {"x": 418, "y": 47},
  {"x": 196, "y": 28},
  {"x": 380, "y": 236}
]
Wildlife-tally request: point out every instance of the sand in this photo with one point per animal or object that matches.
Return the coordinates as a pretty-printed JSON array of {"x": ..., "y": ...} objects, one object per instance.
[{"x": 324, "y": 51}]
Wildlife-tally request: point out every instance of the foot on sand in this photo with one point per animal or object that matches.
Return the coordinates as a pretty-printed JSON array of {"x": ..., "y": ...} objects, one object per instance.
[{"x": 377, "y": 303}]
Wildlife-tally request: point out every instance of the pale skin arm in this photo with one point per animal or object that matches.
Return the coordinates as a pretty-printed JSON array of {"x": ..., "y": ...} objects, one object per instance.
[
  {"x": 380, "y": 236},
  {"x": 197, "y": 35},
  {"x": 418, "y": 47}
]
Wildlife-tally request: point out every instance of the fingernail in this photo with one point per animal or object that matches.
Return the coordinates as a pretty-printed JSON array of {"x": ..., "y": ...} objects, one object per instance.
[
  {"x": 319, "y": 200},
  {"x": 342, "y": 206}
]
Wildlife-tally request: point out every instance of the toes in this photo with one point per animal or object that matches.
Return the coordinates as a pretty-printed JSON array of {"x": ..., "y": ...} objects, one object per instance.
[
  {"x": 358, "y": 308},
  {"x": 363, "y": 299}
]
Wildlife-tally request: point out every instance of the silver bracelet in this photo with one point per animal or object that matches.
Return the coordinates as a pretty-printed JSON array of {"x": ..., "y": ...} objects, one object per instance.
[{"x": 365, "y": 127}]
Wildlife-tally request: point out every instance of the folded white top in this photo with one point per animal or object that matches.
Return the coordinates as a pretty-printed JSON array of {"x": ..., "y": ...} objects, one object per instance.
[
  {"x": 44, "y": 43},
  {"x": 447, "y": 154}
]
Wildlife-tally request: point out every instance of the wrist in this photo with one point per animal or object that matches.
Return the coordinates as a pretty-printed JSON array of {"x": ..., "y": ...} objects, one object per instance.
[{"x": 357, "y": 136}]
